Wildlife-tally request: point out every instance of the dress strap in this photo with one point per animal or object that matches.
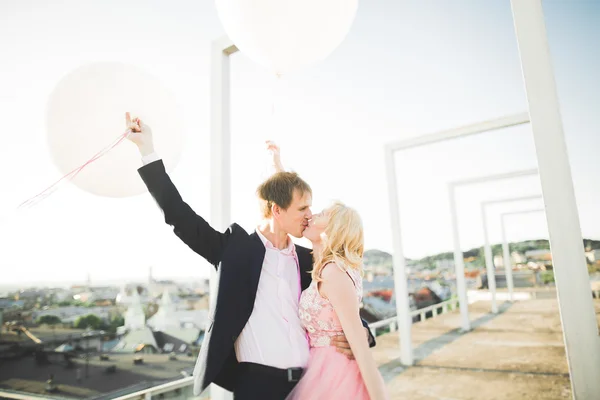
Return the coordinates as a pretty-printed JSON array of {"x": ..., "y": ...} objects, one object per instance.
[{"x": 353, "y": 278}]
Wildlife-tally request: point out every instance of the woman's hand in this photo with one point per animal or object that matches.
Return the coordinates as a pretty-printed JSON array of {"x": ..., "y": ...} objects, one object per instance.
[{"x": 275, "y": 153}]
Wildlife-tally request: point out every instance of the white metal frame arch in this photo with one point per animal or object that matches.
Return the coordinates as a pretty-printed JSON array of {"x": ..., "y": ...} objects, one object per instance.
[
  {"x": 487, "y": 248},
  {"x": 458, "y": 253}
]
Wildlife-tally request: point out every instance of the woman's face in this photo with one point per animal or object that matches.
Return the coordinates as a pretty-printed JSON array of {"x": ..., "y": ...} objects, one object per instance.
[{"x": 316, "y": 226}]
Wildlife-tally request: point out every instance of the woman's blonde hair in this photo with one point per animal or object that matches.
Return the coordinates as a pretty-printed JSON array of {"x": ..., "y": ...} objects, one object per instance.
[{"x": 343, "y": 240}]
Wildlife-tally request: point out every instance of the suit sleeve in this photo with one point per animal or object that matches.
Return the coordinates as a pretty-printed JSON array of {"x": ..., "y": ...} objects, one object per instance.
[
  {"x": 191, "y": 228},
  {"x": 372, "y": 342}
]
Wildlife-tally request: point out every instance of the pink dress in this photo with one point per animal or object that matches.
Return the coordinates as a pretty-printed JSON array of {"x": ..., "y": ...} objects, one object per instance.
[{"x": 329, "y": 375}]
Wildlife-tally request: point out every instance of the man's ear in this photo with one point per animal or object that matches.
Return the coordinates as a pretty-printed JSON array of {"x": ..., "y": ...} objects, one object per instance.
[{"x": 275, "y": 210}]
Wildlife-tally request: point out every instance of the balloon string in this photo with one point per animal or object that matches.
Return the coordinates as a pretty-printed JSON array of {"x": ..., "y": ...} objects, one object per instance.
[{"x": 71, "y": 175}]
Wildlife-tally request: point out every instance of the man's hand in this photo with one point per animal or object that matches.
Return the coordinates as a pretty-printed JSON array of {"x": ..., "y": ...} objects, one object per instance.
[
  {"x": 342, "y": 345},
  {"x": 140, "y": 134}
]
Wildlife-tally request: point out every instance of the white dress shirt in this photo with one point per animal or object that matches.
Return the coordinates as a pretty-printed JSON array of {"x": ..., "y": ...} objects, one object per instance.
[
  {"x": 274, "y": 334},
  {"x": 150, "y": 158}
]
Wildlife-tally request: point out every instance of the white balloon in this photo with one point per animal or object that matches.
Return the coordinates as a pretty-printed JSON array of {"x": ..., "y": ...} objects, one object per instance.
[
  {"x": 286, "y": 35},
  {"x": 86, "y": 113}
]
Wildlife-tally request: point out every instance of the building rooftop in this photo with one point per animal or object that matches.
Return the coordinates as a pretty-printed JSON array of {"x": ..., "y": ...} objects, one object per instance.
[{"x": 25, "y": 375}]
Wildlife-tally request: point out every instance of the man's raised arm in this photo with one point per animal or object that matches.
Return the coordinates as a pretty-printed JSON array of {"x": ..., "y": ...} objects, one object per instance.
[{"x": 191, "y": 228}]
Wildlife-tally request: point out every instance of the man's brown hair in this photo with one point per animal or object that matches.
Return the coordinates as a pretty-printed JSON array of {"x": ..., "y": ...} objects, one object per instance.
[{"x": 279, "y": 189}]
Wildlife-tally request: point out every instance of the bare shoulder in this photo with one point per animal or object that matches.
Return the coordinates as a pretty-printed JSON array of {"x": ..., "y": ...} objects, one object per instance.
[
  {"x": 338, "y": 287},
  {"x": 333, "y": 273}
]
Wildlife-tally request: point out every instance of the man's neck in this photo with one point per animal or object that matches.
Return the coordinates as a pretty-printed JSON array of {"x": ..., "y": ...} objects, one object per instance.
[{"x": 276, "y": 236}]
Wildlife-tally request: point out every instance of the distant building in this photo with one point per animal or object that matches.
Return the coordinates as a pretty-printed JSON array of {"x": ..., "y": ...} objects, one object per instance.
[
  {"x": 69, "y": 314},
  {"x": 443, "y": 292},
  {"x": 515, "y": 257},
  {"x": 376, "y": 308},
  {"x": 518, "y": 258},
  {"x": 60, "y": 295},
  {"x": 96, "y": 294},
  {"x": 425, "y": 297},
  {"x": 202, "y": 287},
  {"x": 11, "y": 303},
  {"x": 30, "y": 294},
  {"x": 135, "y": 319},
  {"x": 445, "y": 264},
  {"x": 156, "y": 288},
  {"x": 195, "y": 302},
  {"x": 593, "y": 255},
  {"x": 498, "y": 261},
  {"x": 169, "y": 330},
  {"x": 125, "y": 295},
  {"x": 541, "y": 254}
]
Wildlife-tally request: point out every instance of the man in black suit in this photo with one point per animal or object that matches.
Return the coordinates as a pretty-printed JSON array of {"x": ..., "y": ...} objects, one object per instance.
[{"x": 256, "y": 345}]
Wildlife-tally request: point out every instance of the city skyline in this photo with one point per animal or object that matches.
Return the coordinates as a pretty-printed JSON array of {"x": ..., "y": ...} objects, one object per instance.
[{"x": 404, "y": 69}]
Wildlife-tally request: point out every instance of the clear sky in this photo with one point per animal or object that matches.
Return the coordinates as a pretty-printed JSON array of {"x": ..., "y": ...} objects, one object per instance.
[{"x": 406, "y": 68}]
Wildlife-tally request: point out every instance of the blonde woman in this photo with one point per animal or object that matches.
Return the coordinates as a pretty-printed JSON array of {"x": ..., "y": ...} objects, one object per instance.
[{"x": 330, "y": 307}]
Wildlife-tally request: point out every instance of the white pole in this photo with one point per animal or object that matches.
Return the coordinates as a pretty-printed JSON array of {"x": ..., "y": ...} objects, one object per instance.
[
  {"x": 507, "y": 262},
  {"x": 489, "y": 261},
  {"x": 400, "y": 278},
  {"x": 577, "y": 313},
  {"x": 459, "y": 264},
  {"x": 220, "y": 164}
]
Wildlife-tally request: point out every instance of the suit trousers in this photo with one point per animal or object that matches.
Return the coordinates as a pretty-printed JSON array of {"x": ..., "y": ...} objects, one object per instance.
[{"x": 257, "y": 382}]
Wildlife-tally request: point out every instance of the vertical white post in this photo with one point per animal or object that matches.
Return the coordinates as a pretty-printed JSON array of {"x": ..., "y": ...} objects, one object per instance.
[
  {"x": 400, "y": 279},
  {"x": 507, "y": 262},
  {"x": 489, "y": 261},
  {"x": 220, "y": 146},
  {"x": 220, "y": 163},
  {"x": 577, "y": 313},
  {"x": 459, "y": 264}
]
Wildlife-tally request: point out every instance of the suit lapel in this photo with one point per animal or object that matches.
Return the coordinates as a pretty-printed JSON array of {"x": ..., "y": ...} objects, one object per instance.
[
  {"x": 305, "y": 260},
  {"x": 257, "y": 258}
]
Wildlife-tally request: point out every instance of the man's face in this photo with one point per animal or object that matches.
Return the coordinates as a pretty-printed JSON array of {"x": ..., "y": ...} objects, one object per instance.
[{"x": 295, "y": 219}]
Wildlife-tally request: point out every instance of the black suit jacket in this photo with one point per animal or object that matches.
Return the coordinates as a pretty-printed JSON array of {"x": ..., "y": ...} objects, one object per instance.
[{"x": 238, "y": 258}]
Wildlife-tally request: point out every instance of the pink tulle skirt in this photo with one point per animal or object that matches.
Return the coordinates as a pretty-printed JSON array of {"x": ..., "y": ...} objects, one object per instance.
[{"x": 330, "y": 376}]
